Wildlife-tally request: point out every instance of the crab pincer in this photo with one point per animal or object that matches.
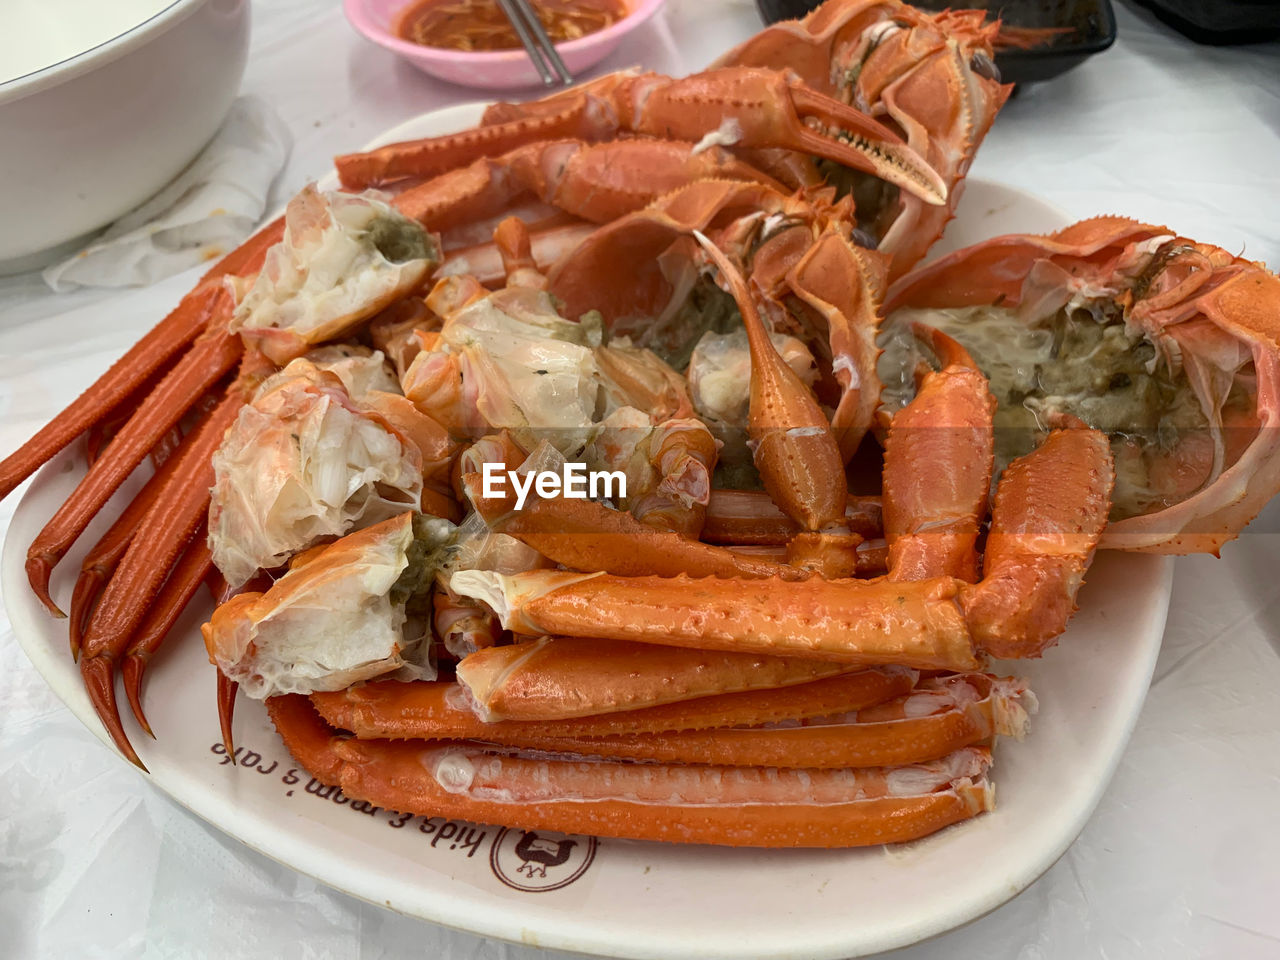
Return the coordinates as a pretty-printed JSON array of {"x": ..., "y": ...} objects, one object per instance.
[
  {"x": 797, "y": 454},
  {"x": 739, "y": 106}
]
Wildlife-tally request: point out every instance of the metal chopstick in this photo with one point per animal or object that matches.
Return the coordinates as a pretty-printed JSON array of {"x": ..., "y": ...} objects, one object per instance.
[
  {"x": 548, "y": 48},
  {"x": 536, "y": 43},
  {"x": 512, "y": 13}
]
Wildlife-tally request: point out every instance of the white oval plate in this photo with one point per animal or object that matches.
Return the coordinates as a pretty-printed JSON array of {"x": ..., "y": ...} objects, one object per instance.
[{"x": 632, "y": 899}]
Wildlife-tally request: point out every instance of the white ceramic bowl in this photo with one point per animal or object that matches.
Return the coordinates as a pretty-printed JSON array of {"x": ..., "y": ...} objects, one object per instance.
[{"x": 113, "y": 105}]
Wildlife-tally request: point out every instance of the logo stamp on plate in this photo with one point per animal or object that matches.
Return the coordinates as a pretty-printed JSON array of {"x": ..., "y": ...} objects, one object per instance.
[{"x": 537, "y": 861}]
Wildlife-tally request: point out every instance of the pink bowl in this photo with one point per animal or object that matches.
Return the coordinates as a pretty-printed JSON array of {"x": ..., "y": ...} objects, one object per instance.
[{"x": 497, "y": 69}]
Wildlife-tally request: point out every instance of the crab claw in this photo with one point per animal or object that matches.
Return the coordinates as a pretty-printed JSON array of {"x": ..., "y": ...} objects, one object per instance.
[
  {"x": 748, "y": 107},
  {"x": 796, "y": 454},
  {"x": 753, "y": 107}
]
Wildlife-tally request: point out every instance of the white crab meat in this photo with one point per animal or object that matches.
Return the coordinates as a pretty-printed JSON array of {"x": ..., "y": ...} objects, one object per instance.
[
  {"x": 336, "y": 619},
  {"x": 720, "y": 373},
  {"x": 343, "y": 258},
  {"x": 622, "y": 443},
  {"x": 360, "y": 369},
  {"x": 524, "y": 368},
  {"x": 302, "y": 463}
]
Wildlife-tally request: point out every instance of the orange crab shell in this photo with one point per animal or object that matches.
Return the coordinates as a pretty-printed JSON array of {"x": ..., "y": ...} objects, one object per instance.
[
  {"x": 1202, "y": 298},
  {"x": 838, "y": 284},
  {"x": 930, "y": 77}
]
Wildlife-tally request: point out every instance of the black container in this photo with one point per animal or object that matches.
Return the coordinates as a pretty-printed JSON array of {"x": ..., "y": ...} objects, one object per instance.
[
  {"x": 1092, "y": 24},
  {"x": 1220, "y": 21}
]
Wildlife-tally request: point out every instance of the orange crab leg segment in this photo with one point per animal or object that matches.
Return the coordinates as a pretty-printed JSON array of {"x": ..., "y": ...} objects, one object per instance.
[
  {"x": 747, "y": 107},
  {"x": 148, "y": 355},
  {"x": 945, "y": 715},
  {"x": 751, "y": 518},
  {"x": 161, "y": 538},
  {"x": 822, "y": 743},
  {"x": 99, "y": 562},
  {"x": 227, "y": 689},
  {"x": 937, "y": 469},
  {"x": 595, "y": 182},
  {"x": 857, "y": 622},
  {"x": 170, "y": 336},
  {"x": 796, "y": 454},
  {"x": 192, "y": 570},
  {"x": 557, "y": 678},
  {"x": 214, "y": 354},
  {"x": 1050, "y": 510},
  {"x": 775, "y": 109},
  {"x": 585, "y": 535},
  {"x": 442, "y": 711},
  {"x": 744, "y": 806}
]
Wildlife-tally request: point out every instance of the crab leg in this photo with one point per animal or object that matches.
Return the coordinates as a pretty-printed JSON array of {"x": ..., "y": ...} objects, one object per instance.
[
  {"x": 1051, "y": 507},
  {"x": 192, "y": 570},
  {"x": 842, "y": 740},
  {"x": 557, "y": 678},
  {"x": 550, "y": 242},
  {"x": 937, "y": 469},
  {"x": 442, "y": 711},
  {"x": 213, "y": 355},
  {"x": 511, "y": 237},
  {"x": 163, "y": 535},
  {"x": 227, "y": 689},
  {"x": 857, "y": 622},
  {"x": 172, "y": 335},
  {"x": 101, "y": 433},
  {"x": 595, "y": 182},
  {"x": 749, "y": 518},
  {"x": 149, "y": 354},
  {"x": 797, "y": 454},
  {"x": 585, "y": 535},
  {"x": 747, "y": 107},
  {"x": 798, "y": 458},
  {"x": 573, "y": 113},
  {"x": 745, "y": 806},
  {"x": 99, "y": 563},
  {"x": 871, "y": 560}
]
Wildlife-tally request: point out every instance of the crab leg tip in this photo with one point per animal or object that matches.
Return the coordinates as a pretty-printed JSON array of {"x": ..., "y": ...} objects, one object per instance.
[
  {"x": 99, "y": 682},
  {"x": 227, "y": 689},
  {"x": 131, "y": 670},
  {"x": 39, "y": 569}
]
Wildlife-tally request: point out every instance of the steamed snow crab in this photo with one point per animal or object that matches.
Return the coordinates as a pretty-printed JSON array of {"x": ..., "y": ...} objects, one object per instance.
[
  {"x": 341, "y": 614},
  {"x": 656, "y": 277}
]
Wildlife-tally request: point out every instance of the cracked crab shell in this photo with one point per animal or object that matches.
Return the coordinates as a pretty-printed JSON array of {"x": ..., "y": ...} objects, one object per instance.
[
  {"x": 342, "y": 259},
  {"x": 304, "y": 462},
  {"x": 808, "y": 274},
  {"x": 1212, "y": 317},
  {"x": 328, "y": 623}
]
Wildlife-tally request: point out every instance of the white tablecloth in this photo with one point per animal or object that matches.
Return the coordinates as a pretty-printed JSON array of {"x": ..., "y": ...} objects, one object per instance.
[{"x": 1182, "y": 858}]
